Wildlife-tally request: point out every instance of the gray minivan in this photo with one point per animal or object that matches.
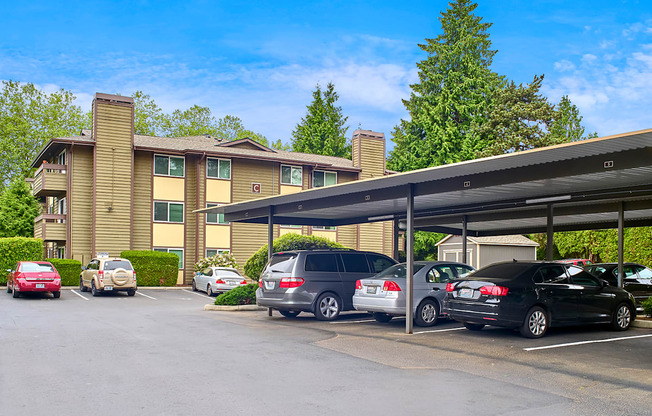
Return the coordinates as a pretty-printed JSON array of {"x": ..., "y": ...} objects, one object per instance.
[{"x": 317, "y": 281}]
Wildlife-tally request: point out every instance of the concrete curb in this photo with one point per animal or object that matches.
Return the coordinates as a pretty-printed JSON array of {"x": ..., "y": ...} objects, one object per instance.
[
  {"x": 139, "y": 287},
  {"x": 229, "y": 308},
  {"x": 640, "y": 323}
]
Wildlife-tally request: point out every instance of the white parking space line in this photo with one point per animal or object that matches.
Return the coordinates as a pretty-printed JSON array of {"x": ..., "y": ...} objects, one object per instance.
[
  {"x": 147, "y": 296},
  {"x": 78, "y": 294},
  {"x": 438, "y": 330},
  {"x": 198, "y": 294},
  {"x": 571, "y": 344},
  {"x": 352, "y": 322}
]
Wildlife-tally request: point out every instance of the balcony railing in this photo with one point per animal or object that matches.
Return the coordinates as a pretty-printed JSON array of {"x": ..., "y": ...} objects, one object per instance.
[
  {"x": 50, "y": 227},
  {"x": 50, "y": 180}
]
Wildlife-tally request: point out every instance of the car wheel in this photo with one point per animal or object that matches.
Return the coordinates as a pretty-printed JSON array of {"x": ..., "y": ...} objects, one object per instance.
[
  {"x": 535, "y": 324},
  {"x": 194, "y": 285},
  {"x": 328, "y": 307},
  {"x": 131, "y": 292},
  {"x": 427, "y": 313},
  {"x": 209, "y": 291},
  {"x": 8, "y": 288},
  {"x": 382, "y": 317},
  {"x": 56, "y": 294},
  {"x": 15, "y": 293},
  {"x": 289, "y": 314},
  {"x": 82, "y": 288},
  {"x": 94, "y": 290},
  {"x": 622, "y": 318},
  {"x": 473, "y": 327}
]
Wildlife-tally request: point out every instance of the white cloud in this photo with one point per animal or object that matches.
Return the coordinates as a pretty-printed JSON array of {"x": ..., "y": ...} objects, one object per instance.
[{"x": 564, "y": 65}]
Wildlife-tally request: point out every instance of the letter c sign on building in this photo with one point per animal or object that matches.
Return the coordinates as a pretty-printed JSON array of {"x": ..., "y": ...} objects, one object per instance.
[{"x": 255, "y": 188}]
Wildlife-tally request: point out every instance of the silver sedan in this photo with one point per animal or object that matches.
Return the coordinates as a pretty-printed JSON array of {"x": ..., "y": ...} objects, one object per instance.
[
  {"x": 384, "y": 294},
  {"x": 216, "y": 280}
]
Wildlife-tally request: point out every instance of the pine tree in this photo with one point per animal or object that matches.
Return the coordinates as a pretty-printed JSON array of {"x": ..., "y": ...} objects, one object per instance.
[
  {"x": 322, "y": 130},
  {"x": 567, "y": 126}
]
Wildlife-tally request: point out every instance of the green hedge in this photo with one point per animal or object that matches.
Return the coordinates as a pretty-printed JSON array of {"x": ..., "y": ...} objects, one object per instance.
[
  {"x": 647, "y": 306},
  {"x": 292, "y": 241},
  {"x": 69, "y": 270},
  {"x": 15, "y": 249},
  {"x": 154, "y": 268},
  {"x": 241, "y": 295}
]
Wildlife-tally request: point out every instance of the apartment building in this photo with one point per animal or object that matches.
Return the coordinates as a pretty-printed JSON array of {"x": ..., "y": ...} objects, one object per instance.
[{"x": 109, "y": 190}]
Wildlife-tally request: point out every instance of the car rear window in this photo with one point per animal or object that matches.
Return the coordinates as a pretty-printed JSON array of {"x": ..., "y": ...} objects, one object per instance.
[
  {"x": 226, "y": 273},
  {"x": 321, "y": 263},
  {"x": 117, "y": 264},
  {"x": 501, "y": 271},
  {"x": 35, "y": 267},
  {"x": 282, "y": 263},
  {"x": 379, "y": 263},
  {"x": 398, "y": 271}
]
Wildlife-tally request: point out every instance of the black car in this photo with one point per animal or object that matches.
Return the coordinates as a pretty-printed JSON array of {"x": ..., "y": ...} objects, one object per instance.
[
  {"x": 533, "y": 296},
  {"x": 638, "y": 278}
]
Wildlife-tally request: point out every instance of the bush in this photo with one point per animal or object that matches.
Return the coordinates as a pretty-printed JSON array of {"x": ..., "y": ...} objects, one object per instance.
[
  {"x": 153, "y": 268},
  {"x": 15, "y": 249},
  {"x": 254, "y": 266},
  {"x": 241, "y": 295},
  {"x": 69, "y": 270},
  {"x": 647, "y": 306},
  {"x": 218, "y": 260}
]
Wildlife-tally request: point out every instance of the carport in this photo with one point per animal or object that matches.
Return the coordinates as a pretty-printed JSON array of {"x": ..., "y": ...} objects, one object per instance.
[{"x": 600, "y": 183}]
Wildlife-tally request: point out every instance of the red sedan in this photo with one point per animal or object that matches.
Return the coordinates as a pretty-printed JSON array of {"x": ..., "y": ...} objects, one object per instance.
[{"x": 34, "y": 276}]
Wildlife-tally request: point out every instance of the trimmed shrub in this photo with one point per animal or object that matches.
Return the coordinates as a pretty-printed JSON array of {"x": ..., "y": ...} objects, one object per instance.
[
  {"x": 69, "y": 270},
  {"x": 153, "y": 268},
  {"x": 647, "y": 306},
  {"x": 15, "y": 249},
  {"x": 254, "y": 266},
  {"x": 241, "y": 295},
  {"x": 218, "y": 260}
]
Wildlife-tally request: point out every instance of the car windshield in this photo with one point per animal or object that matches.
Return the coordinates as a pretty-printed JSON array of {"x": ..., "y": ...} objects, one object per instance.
[
  {"x": 398, "y": 271},
  {"x": 36, "y": 267},
  {"x": 226, "y": 273},
  {"x": 645, "y": 273},
  {"x": 117, "y": 264},
  {"x": 281, "y": 263}
]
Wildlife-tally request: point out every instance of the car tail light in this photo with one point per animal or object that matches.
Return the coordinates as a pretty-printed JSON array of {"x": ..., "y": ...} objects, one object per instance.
[
  {"x": 289, "y": 282},
  {"x": 134, "y": 275},
  {"x": 390, "y": 286},
  {"x": 358, "y": 285},
  {"x": 244, "y": 282},
  {"x": 100, "y": 274},
  {"x": 220, "y": 281},
  {"x": 260, "y": 282},
  {"x": 494, "y": 290},
  {"x": 450, "y": 287}
]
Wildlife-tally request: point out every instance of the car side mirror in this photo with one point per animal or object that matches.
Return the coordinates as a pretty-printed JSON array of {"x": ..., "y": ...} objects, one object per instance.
[
  {"x": 604, "y": 283},
  {"x": 83, "y": 268}
]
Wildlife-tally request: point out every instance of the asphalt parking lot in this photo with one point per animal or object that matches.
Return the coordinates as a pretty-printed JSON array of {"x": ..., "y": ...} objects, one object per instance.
[{"x": 159, "y": 353}]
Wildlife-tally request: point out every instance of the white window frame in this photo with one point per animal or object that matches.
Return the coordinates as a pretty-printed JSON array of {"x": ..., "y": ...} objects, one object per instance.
[
  {"x": 218, "y": 251},
  {"x": 183, "y": 214},
  {"x": 290, "y": 226},
  {"x": 168, "y": 174},
  {"x": 211, "y": 205},
  {"x": 167, "y": 250},
  {"x": 324, "y": 172},
  {"x": 324, "y": 228},
  {"x": 218, "y": 168},
  {"x": 291, "y": 168}
]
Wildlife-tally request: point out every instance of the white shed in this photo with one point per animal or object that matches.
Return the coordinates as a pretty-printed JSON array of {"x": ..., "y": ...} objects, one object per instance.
[{"x": 482, "y": 251}]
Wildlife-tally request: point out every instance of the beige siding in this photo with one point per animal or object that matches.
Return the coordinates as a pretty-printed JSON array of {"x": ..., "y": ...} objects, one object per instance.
[
  {"x": 142, "y": 221},
  {"x": 372, "y": 158},
  {"x": 190, "y": 251},
  {"x": 388, "y": 240},
  {"x": 201, "y": 218},
  {"x": 371, "y": 237},
  {"x": 113, "y": 166},
  {"x": 247, "y": 239},
  {"x": 347, "y": 235},
  {"x": 344, "y": 177},
  {"x": 80, "y": 201}
]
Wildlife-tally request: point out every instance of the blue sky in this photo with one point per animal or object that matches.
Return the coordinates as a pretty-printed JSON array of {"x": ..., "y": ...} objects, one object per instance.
[{"x": 260, "y": 61}]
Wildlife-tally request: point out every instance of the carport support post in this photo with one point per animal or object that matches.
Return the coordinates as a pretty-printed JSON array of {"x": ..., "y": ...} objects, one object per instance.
[
  {"x": 270, "y": 241},
  {"x": 464, "y": 225},
  {"x": 409, "y": 254},
  {"x": 621, "y": 243},
  {"x": 550, "y": 239},
  {"x": 396, "y": 232}
]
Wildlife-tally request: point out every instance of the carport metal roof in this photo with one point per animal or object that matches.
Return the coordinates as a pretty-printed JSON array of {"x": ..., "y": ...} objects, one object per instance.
[{"x": 586, "y": 182}]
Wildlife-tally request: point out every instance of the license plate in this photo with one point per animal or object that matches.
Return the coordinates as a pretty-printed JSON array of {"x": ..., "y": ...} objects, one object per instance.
[
  {"x": 232, "y": 283},
  {"x": 465, "y": 293},
  {"x": 269, "y": 285},
  {"x": 372, "y": 290},
  {"x": 40, "y": 286},
  {"x": 108, "y": 287}
]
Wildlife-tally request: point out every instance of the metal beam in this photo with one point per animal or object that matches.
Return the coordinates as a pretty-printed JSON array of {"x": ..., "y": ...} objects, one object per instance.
[
  {"x": 550, "y": 239},
  {"x": 621, "y": 243},
  {"x": 270, "y": 241},
  {"x": 464, "y": 242},
  {"x": 409, "y": 254},
  {"x": 395, "y": 240}
]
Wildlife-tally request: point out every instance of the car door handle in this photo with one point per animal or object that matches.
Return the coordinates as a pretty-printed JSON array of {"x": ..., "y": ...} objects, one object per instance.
[{"x": 435, "y": 288}]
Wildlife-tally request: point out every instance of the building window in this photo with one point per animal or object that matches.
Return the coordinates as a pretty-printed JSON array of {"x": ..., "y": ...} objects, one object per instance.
[
  {"x": 169, "y": 165},
  {"x": 177, "y": 251},
  {"x": 210, "y": 252},
  {"x": 290, "y": 226},
  {"x": 61, "y": 159},
  {"x": 323, "y": 228},
  {"x": 214, "y": 217},
  {"x": 61, "y": 252},
  {"x": 321, "y": 178},
  {"x": 168, "y": 211},
  {"x": 218, "y": 168},
  {"x": 291, "y": 175}
]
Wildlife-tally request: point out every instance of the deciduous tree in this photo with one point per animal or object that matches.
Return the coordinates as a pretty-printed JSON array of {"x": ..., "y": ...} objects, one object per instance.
[{"x": 18, "y": 208}]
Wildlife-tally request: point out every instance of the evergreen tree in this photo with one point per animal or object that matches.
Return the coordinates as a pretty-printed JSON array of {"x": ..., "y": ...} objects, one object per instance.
[
  {"x": 322, "y": 130},
  {"x": 18, "y": 208},
  {"x": 567, "y": 126},
  {"x": 452, "y": 95}
]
